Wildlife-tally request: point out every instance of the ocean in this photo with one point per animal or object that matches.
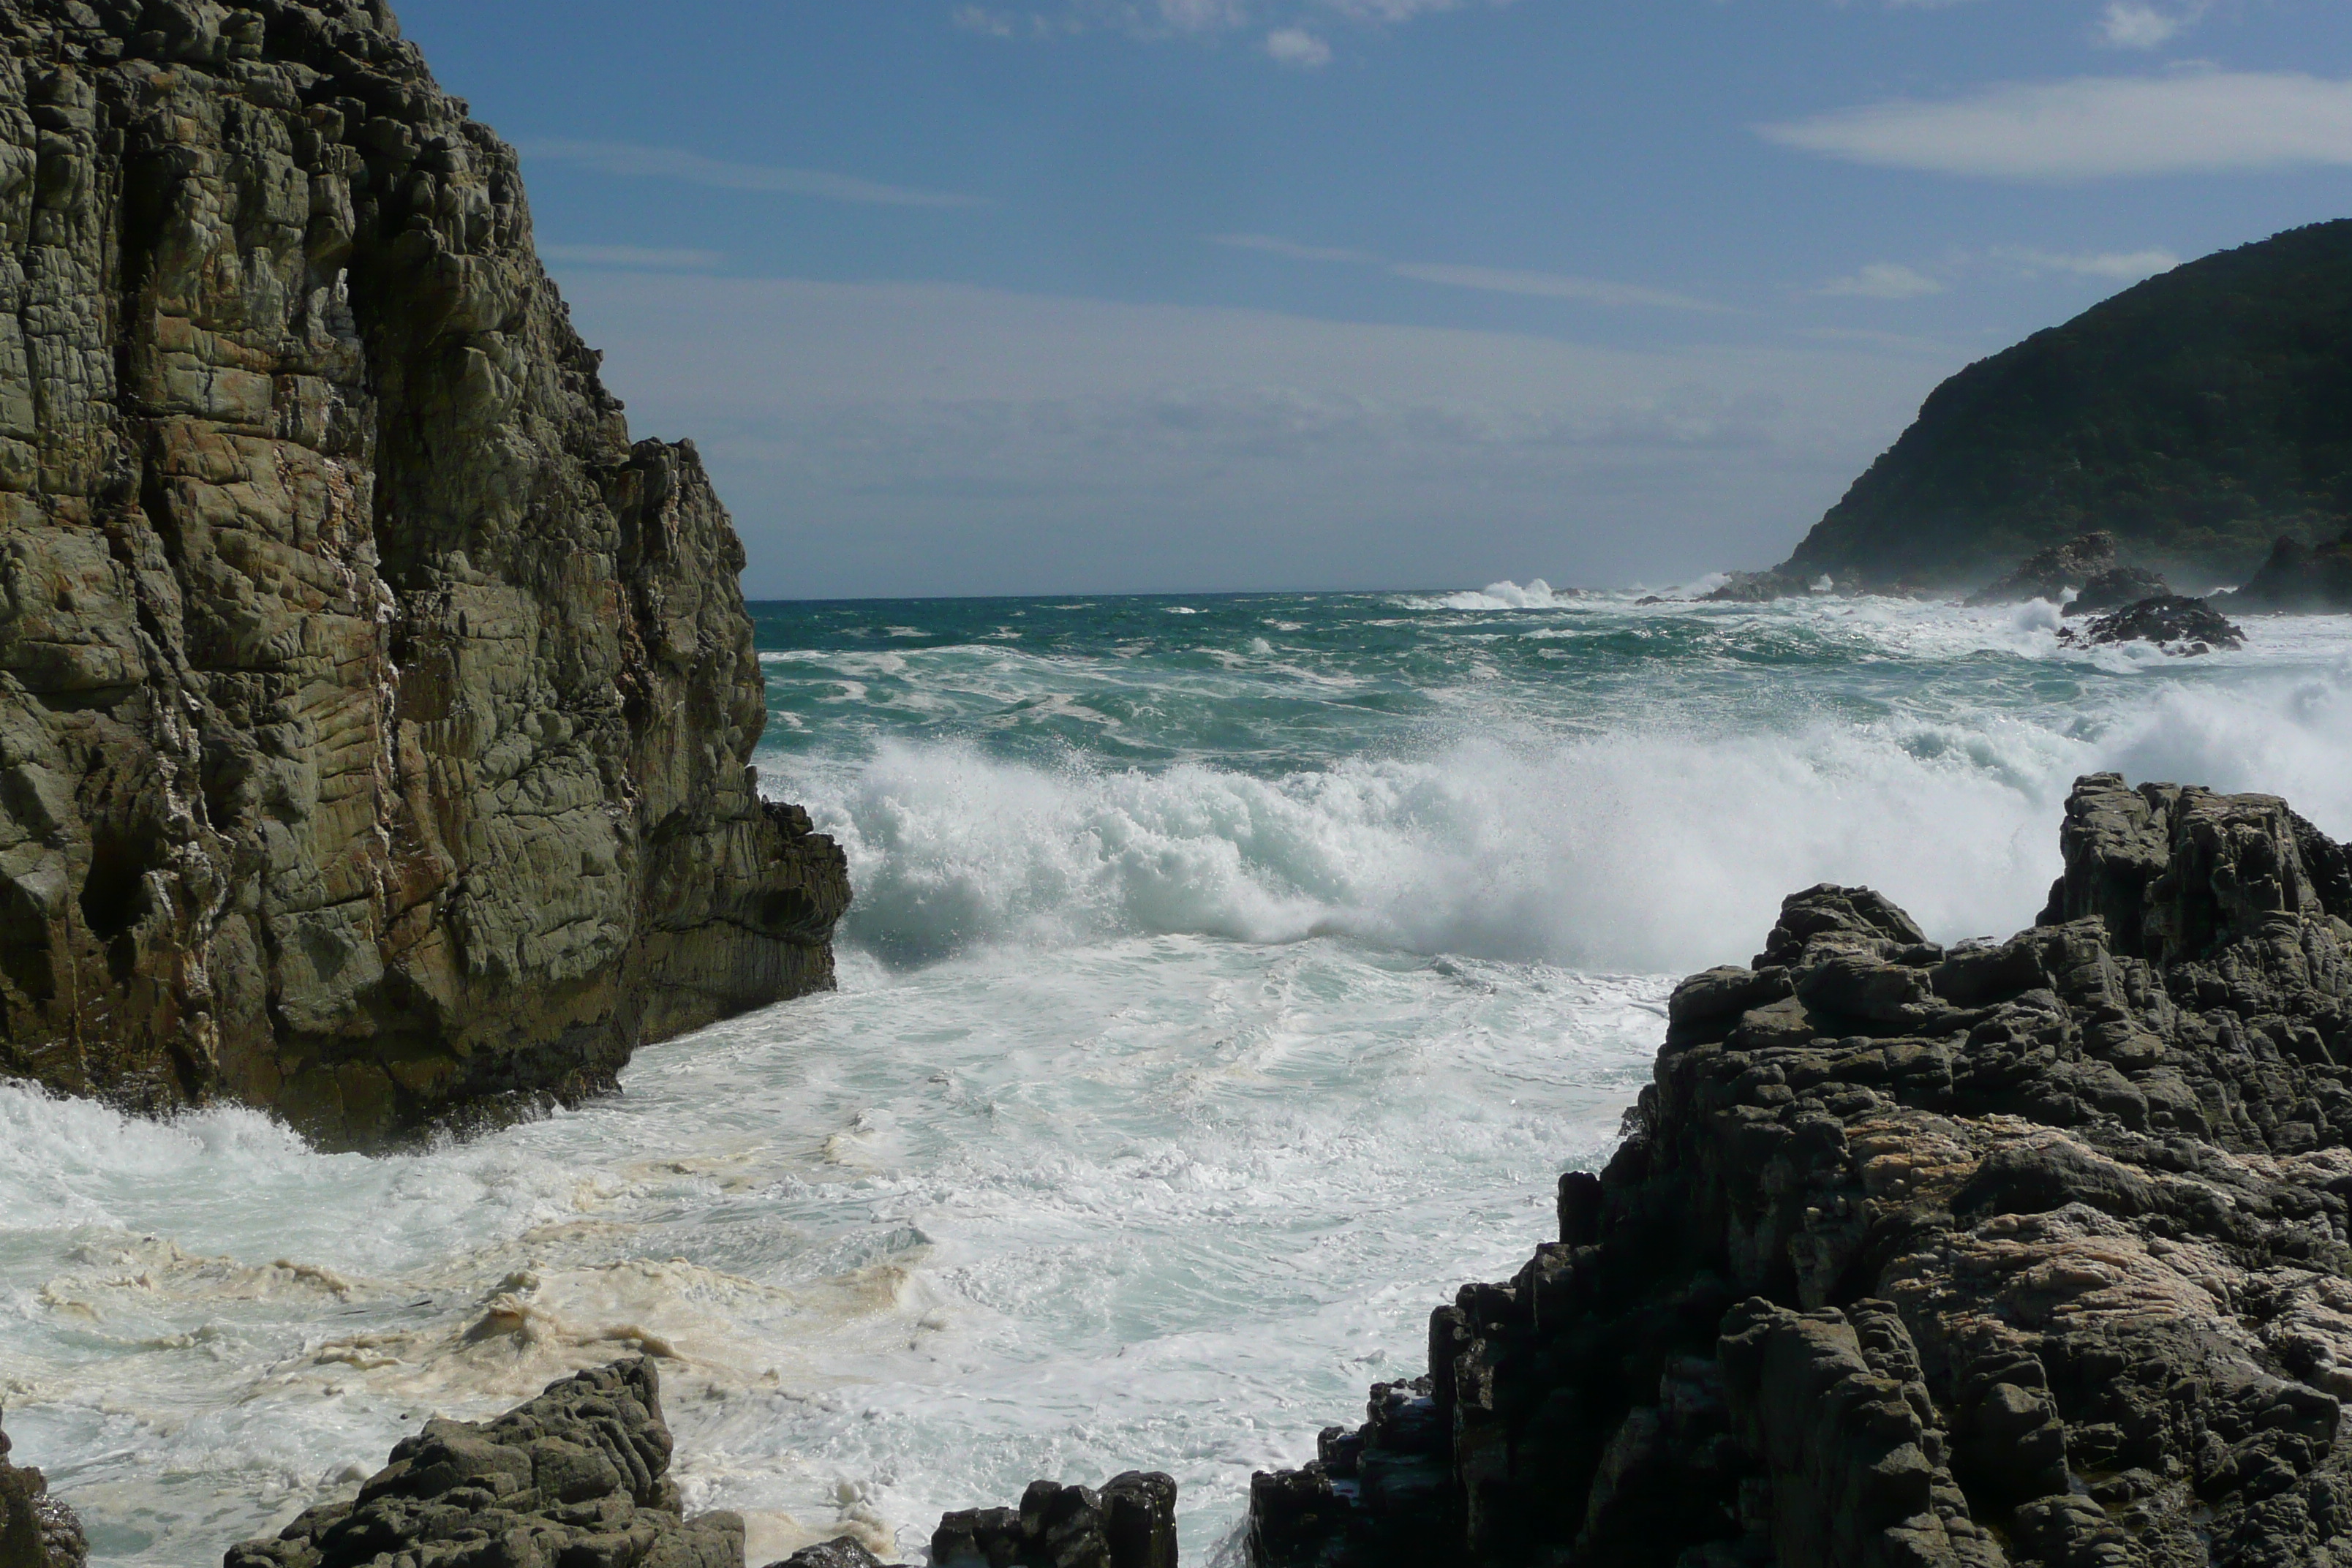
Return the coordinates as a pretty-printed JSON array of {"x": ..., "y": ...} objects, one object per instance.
[{"x": 1230, "y": 978}]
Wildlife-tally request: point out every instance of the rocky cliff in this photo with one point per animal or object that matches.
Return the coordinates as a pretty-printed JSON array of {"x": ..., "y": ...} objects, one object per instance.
[
  {"x": 374, "y": 715},
  {"x": 2197, "y": 416},
  {"x": 2033, "y": 1252}
]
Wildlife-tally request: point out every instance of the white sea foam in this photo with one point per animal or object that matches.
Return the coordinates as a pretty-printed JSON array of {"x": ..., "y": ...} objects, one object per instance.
[
  {"x": 1651, "y": 851},
  {"x": 1160, "y": 1103},
  {"x": 1169, "y": 1201},
  {"x": 1534, "y": 595}
]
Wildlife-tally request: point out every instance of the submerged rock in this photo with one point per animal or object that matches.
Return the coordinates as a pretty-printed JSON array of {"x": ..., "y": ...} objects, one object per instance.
[
  {"x": 2030, "y": 1252},
  {"x": 2054, "y": 572},
  {"x": 2178, "y": 625},
  {"x": 2298, "y": 576},
  {"x": 376, "y": 718},
  {"x": 37, "y": 1531},
  {"x": 578, "y": 1476}
]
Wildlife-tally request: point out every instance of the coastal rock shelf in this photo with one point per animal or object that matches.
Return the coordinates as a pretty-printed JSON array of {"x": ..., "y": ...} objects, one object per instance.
[
  {"x": 375, "y": 716},
  {"x": 2033, "y": 1252}
]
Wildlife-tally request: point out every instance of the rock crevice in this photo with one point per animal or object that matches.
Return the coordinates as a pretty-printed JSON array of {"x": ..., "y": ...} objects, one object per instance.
[{"x": 375, "y": 716}]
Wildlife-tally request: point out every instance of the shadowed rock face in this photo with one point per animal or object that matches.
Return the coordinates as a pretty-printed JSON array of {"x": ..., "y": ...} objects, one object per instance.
[
  {"x": 376, "y": 717},
  {"x": 2026, "y": 1253}
]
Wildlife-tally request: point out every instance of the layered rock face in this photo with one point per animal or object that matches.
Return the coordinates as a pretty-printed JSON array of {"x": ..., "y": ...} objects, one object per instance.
[
  {"x": 374, "y": 715},
  {"x": 2026, "y": 1253}
]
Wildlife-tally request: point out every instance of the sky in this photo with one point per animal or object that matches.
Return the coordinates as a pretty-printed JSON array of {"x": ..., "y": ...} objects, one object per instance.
[{"x": 976, "y": 297}]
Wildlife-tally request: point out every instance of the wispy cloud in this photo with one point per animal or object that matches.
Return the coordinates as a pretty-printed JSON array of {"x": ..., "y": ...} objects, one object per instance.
[
  {"x": 1292, "y": 249},
  {"x": 1882, "y": 280},
  {"x": 632, "y": 162},
  {"x": 1548, "y": 285},
  {"x": 1295, "y": 32},
  {"x": 2137, "y": 25},
  {"x": 2122, "y": 265},
  {"x": 1487, "y": 279},
  {"x": 2097, "y": 127},
  {"x": 1298, "y": 46},
  {"x": 634, "y": 256}
]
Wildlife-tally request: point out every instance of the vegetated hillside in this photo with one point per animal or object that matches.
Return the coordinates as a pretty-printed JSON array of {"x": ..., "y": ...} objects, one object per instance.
[{"x": 2197, "y": 417}]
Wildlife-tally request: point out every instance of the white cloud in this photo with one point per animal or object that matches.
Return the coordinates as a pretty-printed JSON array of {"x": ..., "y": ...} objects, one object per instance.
[
  {"x": 1488, "y": 279},
  {"x": 2094, "y": 127},
  {"x": 635, "y": 256},
  {"x": 973, "y": 19},
  {"x": 1298, "y": 46},
  {"x": 2121, "y": 266},
  {"x": 2137, "y": 24},
  {"x": 1883, "y": 280},
  {"x": 1291, "y": 249},
  {"x": 632, "y": 162}
]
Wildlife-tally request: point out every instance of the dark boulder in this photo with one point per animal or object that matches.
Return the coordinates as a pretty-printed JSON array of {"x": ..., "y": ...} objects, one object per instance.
[
  {"x": 2178, "y": 624},
  {"x": 1129, "y": 1523}
]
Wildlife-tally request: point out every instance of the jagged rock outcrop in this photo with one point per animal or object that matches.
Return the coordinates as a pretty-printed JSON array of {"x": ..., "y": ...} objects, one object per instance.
[
  {"x": 37, "y": 1531},
  {"x": 578, "y": 1476},
  {"x": 2296, "y": 576},
  {"x": 2036, "y": 1252},
  {"x": 2052, "y": 574},
  {"x": 2176, "y": 623},
  {"x": 376, "y": 717}
]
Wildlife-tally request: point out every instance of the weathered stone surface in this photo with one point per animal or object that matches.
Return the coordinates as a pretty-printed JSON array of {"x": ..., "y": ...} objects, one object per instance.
[
  {"x": 2032, "y": 1252},
  {"x": 578, "y": 1476},
  {"x": 2050, "y": 574},
  {"x": 376, "y": 717},
  {"x": 37, "y": 1531},
  {"x": 2178, "y": 624},
  {"x": 1129, "y": 1523}
]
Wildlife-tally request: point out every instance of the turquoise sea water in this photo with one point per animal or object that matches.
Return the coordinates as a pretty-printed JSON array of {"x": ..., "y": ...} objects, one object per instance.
[{"x": 1230, "y": 978}]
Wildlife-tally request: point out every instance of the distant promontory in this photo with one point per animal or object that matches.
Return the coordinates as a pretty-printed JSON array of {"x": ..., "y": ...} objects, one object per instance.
[{"x": 2198, "y": 418}]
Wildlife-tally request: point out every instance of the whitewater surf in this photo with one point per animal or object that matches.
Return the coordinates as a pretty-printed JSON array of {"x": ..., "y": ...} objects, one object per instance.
[{"x": 1229, "y": 978}]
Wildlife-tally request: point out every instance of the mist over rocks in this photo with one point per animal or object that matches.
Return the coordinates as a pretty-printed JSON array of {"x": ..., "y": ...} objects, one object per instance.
[
  {"x": 375, "y": 716},
  {"x": 2026, "y": 1252}
]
